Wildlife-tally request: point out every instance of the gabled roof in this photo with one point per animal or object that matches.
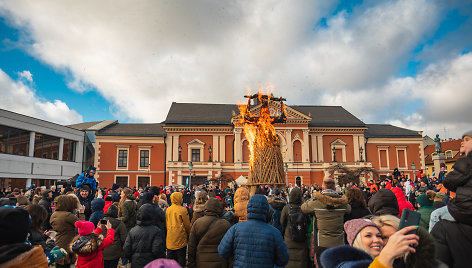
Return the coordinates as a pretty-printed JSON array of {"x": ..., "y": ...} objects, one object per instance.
[
  {"x": 221, "y": 114},
  {"x": 329, "y": 116},
  {"x": 200, "y": 114},
  {"x": 140, "y": 130},
  {"x": 389, "y": 131},
  {"x": 454, "y": 146},
  {"x": 97, "y": 125}
]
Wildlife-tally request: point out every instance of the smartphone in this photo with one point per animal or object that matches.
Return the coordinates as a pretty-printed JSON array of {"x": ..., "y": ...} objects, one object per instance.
[
  {"x": 409, "y": 218},
  {"x": 52, "y": 235},
  {"x": 104, "y": 222}
]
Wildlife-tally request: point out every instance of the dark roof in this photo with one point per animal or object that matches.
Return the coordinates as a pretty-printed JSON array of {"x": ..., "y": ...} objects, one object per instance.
[
  {"x": 200, "y": 113},
  {"x": 142, "y": 130},
  {"x": 454, "y": 146},
  {"x": 84, "y": 125},
  {"x": 329, "y": 116},
  {"x": 389, "y": 131},
  {"x": 221, "y": 114}
]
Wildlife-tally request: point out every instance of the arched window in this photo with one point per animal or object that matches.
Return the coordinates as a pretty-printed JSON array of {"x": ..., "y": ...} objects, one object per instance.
[
  {"x": 298, "y": 181},
  {"x": 297, "y": 151},
  {"x": 246, "y": 151}
]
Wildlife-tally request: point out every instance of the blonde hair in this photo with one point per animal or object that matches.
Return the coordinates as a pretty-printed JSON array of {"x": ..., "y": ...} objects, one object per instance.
[
  {"x": 386, "y": 220},
  {"x": 127, "y": 192},
  {"x": 357, "y": 243}
]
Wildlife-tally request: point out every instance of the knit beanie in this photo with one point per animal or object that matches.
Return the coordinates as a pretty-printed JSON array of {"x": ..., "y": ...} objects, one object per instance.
[
  {"x": 14, "y": 225},
  {"x": 468, "y": 133},
  {"x": 353, "y": 227},
  {"x": 423, "y": 200},
  {"x": 115, "y": 187},
  {"x": 84, "y": 227},
  {"x": 148, "y": 196},
  {"x": 112, "y": 212},
  {"x": 163, "y": 263}
]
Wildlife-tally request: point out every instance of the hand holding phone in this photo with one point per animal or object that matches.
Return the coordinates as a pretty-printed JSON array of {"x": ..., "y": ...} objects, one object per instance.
[
  {"x": 409, "y": 218},
  {"x": 104, "y": 222}
]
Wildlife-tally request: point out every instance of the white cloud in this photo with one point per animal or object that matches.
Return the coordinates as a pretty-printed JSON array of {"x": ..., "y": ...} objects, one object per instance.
[
  {"x": 18, "y": 97},
  {"x": 144, "y": 55},
  {"x": 26, "y": 75}
]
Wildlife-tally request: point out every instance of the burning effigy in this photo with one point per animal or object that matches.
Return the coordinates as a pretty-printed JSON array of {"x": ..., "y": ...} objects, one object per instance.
[{"x": 265, "y": 158}]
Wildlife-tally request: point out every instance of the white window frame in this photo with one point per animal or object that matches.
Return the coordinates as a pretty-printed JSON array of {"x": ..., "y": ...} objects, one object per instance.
[
  {"x": 114, "y": 178},
  {"x": 338, "y": 144},
  {"x": 145, "y": 176},
  {"x": 400, "y": 148},
  {"x": 122, "y": 148},
  {"x": 195, "y": 144},
  {"x": 383, "y": 148},
  {"x": 144, "y": 148}
]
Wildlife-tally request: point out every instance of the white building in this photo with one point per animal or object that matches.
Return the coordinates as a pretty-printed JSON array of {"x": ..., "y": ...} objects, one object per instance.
[{"x": 37, "y": 151}]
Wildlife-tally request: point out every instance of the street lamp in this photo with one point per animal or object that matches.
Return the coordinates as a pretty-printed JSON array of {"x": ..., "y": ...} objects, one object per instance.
[
  {"x": 180, "y": 153},
  {"x": 209, "y": 150},
  {"x": 334, "y": 154},
  {"x": 413, "y": 166},
  {"x": 361, "y": 150},
  {"x": 190, "y": 167},
  {"x": 286, "y": 171}
]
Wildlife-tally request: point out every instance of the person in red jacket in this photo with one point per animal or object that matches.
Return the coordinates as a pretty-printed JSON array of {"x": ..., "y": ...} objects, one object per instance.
[
  {"x": 401, "y": 199},
  {"x": 89, "y": 244}
]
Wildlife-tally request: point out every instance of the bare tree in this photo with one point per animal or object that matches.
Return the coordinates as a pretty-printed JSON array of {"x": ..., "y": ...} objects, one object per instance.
[{"x": 347, "y": 175}]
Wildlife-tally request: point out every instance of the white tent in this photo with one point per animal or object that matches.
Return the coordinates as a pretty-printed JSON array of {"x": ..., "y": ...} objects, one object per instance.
[{"x": 241, "y": 180}]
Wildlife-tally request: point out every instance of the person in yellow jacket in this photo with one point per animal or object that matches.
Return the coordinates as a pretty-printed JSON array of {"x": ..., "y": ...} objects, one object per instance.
[{"x": 178, "y": 229}]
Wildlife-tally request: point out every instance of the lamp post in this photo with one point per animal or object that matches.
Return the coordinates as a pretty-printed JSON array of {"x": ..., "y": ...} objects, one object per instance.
[
  {"x": 190, "y": 167},
  {"x": 180, "y": 153},
  {"x": 361, "y": 150},
  {"x": 334, "y": 154},
  {"x": 210, "y": 150},
  {"x": 413, "y": 166},
  {"x": 286, "y": 171}
]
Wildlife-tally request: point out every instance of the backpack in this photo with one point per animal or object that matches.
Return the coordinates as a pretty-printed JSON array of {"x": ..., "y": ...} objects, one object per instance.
[
  {"x": 298, "y": 224},
  {"x": 275, "y": 219}
]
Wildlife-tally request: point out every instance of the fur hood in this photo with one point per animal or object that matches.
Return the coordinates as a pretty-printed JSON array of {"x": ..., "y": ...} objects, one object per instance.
[
  {"x": 199, "y": 207},
  {"x": 277, "y": 203},
  {"x": 331, "y": 200},
  {"x": 84, "y": 245},
  {"x": 66, "y": 203},
  {"x": 241, "y": 195}
]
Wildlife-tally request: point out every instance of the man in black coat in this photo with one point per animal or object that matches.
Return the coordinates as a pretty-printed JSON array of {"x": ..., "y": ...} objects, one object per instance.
[
  {"x": 85, "y": 201},
  {"x": 114, "y": 193},
  {"x": 46, "y": 203}
]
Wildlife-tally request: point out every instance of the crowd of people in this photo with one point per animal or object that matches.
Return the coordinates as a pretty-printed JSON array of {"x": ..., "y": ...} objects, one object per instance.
[{"x": 352, "y": 225}]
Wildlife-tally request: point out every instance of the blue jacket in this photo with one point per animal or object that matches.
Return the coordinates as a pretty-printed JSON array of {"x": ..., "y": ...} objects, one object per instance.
[
  {"x": 97, "y": 211},
  {"x": 84, "y": 180},
  {"x": 244, "y": 240}
]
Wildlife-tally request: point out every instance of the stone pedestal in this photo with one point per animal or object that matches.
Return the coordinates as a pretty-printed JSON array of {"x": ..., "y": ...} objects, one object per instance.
[{"x": 437, "y": 160}]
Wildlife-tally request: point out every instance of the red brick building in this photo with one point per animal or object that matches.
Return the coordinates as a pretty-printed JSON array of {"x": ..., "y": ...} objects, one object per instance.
[{"x": 205, "y": 136}]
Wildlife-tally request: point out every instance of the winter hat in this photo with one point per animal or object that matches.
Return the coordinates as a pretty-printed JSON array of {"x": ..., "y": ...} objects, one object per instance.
[
  {"x": 45, "y": 193},
  {"x": 14, "y": 225},
  {"x": 163, "y": 263},
  {"x": 84, "y": 227},
  {"x": 85, "y": 188},
  {"x": 423, "y": 200},
  {"x": 148, "y": 196},
  {"x": 468, "y": 133},
  {"x": 154, "y": 189},
  {"x": 353, "y": 227},
  {"x": 136, "y": 193},
  {"x": 115, "y": 187},
  {"x": 112, "y": 212},
  {"x": 440, "y": 196}
]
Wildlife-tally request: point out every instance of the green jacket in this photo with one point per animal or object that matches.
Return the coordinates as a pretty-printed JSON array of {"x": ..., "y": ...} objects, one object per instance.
[
  {"x": 328, "y": 209},
  {"x": 425, "y": 216},
  {"x": 128, "y": 213}
]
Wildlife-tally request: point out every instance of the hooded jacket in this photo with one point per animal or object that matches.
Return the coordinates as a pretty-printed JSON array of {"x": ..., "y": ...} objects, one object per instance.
[
  {"x": 384, "y": 202},
  {"x": 203, "y": 247},
  {"x": 97, "y": 211},
  {"x": 254, "y": 243},
  {"x": 177, "y": 223},
  {"x": 115, "y": 250},
  {"x": 453, "y": 243},
  {"x": 459, "y": 180},
  {"x": 22, "y": 255},
  {"x": 297, "y": 250},
  {"x": 62, "y": 221},
  {"x": 128, "y": 212},
  {"x": 401, "y": 200},
  {"x": 45, "y": 202},
  {"x": 144, "y": 242},
  {"x": 329, "y": 209},
  {"x": 199, "y": 206},
  {"x": 241, "y": 198},
  {"x": 90, "y": 248}
]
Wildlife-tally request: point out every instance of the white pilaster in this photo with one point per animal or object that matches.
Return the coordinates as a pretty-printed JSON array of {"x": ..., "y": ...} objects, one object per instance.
[
  {"x": 215, "y": 149},
  {"x": 169, "y": 149},
  {"x": 314, "y": 146},
  {"x": 355, "y": 138},
  {"x": 175, "y": 148},
  {"x": 320, "y": 148},
  {"x": 222, "y": 148},
  {"x": 288, "y": 137},
  {"x": 306, "y": 147},
  {"x": 237, "y": 146}
]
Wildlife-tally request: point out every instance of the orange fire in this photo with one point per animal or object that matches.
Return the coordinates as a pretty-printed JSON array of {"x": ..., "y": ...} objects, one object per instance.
[{"x": 258, "y": 129}]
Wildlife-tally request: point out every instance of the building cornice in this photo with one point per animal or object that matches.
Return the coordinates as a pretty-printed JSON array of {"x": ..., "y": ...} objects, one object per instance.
[{"x": 229, "y": 130}]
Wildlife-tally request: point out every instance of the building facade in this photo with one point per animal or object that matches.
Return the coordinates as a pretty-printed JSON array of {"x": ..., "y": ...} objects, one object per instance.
[
  {"x": 37, "y": 151},
  {"x": 201, "y": 142},
  {"x": 450, "y": 149}
]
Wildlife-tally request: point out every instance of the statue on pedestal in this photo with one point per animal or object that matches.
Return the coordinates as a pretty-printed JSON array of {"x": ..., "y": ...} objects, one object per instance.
[{"x": 437, "y": 142}]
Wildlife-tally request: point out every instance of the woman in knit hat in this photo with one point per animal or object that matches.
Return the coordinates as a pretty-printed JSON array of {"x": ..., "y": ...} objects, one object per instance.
[
  {"x": 89, "y": 244},
  {"x": 425, "y": 207},
  {"x": 367, "y": 246}
]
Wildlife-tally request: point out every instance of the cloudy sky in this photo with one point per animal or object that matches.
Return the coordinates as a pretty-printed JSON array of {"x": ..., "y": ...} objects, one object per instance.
[{"x": 407, "y": 63}]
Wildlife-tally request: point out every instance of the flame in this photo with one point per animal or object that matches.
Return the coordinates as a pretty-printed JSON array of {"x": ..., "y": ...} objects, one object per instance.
[{"x": 258, "y": 129}]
